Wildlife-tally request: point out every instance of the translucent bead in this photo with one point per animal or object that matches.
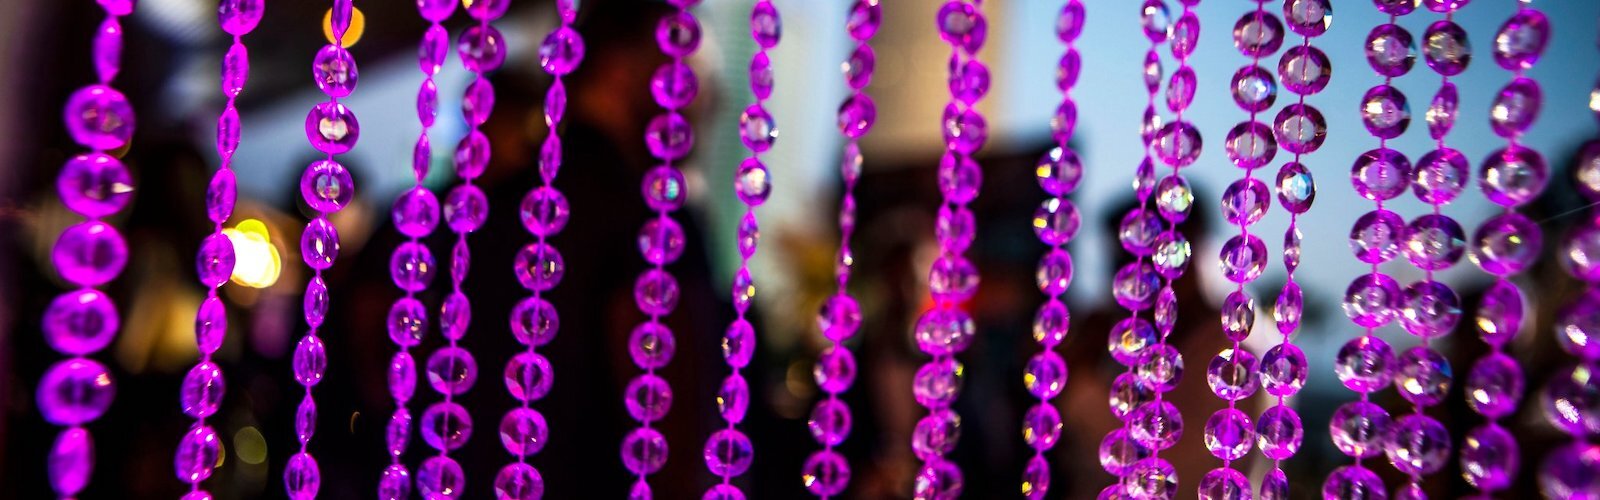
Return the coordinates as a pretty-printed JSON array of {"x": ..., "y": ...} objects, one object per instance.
[
  {"x": 648, "y": 398},
  {"x": 644, "y": 451},
  {"x": 238, "y": 17},
  {"x": 523, "y": 431},
  {"x": 1178, "y": 144},
  {"x": 1308, "y": 18},
  {"x": 1286, "y": 312},
  {"x": 94, "y": 185},
  {"x": 733, "y": 398},
  {"x": 1515, "y": 107},
  {"x": 446, "y": 426},
  {"x": 1050, "y": 323},
  {"x": 1041, "y": 426},
  {"x": 678, "y": 34},
  {"x": 326, "y": 186},
  {"x": 316, "y": 301},
  {"x": 402, "y": 377},
  {"x": 752, "y": 182},
  {"x": 1278, "y": 433},
  {"x": 1570, "y": 471},
  {"x": 651, "y": 346},
  {"x": 1232, "y": 374},
  {"x": 1364, "y": 364},
  {"x": 938, "y": 480},
  {"x": 561, "y": 51},
  {"x": 757, "y": 129},
  {"x": 1359, "y": 429},
  {"x": 485, "y": 10},
  {"x": 936, "y": 434},
  {"x": 1184, "y": 36},
  {"x": 1521, "y": 40},
  {"x": 835, "y": 370},
  {"x": 1418, "y": 445},
  {"x": 1292, "y": 242},
  {"x": 739, "y": 343},
  {"x": 332, "y": 128},
  {"x": 302, "y": 478},
  {"x": 1238, "y": 315},
  {"x": 1433, "y": 242},
  {"x": 1151, "y": 478},
  {"x": 1054, "y": 272},
  {"x": 1578, "y": 325},
  {"x": 1506, "y": 244},
  {"x": 395, "y": 483},
  {"x": 1045, "y": 375},
  {"x": 964, "y": 130},
  {"x": 1156, "y": 20},
  {"x": 433, "y": 50},
  {"x": 1489, "y": 458},
  {"x": 1160, "y": 366},
  {"x": 826, "y": 473},
  {"x": 1257, "y": 34},
  {"x": 518, "y": 481},
  {"x": 661, "y": 241},
  {"x": 1440, "y": 175},
  {"x": 954, "y": 228},
  {"x": 1253, "y": 89},
  {"x": 962, "y": 25},
  {"x": 1385, "y": 112},
  {"x": 969, "y": 82},
  {"x": 1036, "y": 478},
  {"x": 1581, "y": 252},
  {"x": 476, "y": 105},
  {"x": 452, "y": 370},
  {"x": 1296, "y": 188},
  {"x": 1180, "y": 89},
  {"x": 1422, "y": 376},
  {"x": 1446, "y": 49},
  {"x": 197, "y": 454},
  {"x": 1305, "y": 70},
  {"x": 201, "y": 393},
  {"x": 674, "y": 84},
  {"x": 1118, "y": 452},
  {"x": 728, "y": 452},
  {"x": 310, "y": 361},
  {"x": 830, "y": 422},
  {"x": 1513, "y": 176},
  {"x": 539, "y": 267},
  {"x": 1130, "y": 338},
  {"x": 436, "y": 10},
  {"x": 1376, "y": 236},
  {"x": 1243, "y": 258},
  {"x": 669, "y": 136},
  {"x": 1571, "y": 400},
  {"x": 1250, "y": 145},
  {"x": 1300, "y": 128},
  {"x": 71, "y": 461},
  {"x": 440, "y": 477},
  {"x": 1224, "y": 483},
  {"x": 1229, "y": 434},
  {"x": 1494, "y": 386},
  {"x": 1391, "y": 51},
  {"x": 83, "y": 321},
  {"x": 1500, "y": 314},
  {"x": 221, "y": 193},
  {"x": 1139, "y": 230},
  {"x": 334, "y": 70},
  {"x": 1284, "y": 369},
  {"x": 529, "y": 376},
  {"x": 89, "y": 253},
  {"x": 749, "y": 235},
  {"x": 1274, "y": 486},
  {"x": 1442, "y": 110},
  {"x": 555, "y": 108},
  {"x": 1152, "y": 77},
  {"x": 1166, "y": 310},
  {"x": 75, "y": 391},
  {"x": 858, "y": 68},
  {"x": 412, "y": 266},
  {"x": 954, "y": 278},
  {"x": 1353, "y": 482},
  {"x": 743, "y": 291},
  {"x": 99, "y": 117},
  {"x": 1381, "y": 174},
  {"x": 481, "y": 48},
  {"x": 839, "y": 317},
  {"x": 1174, "y": 198},
  {"x": 1157, "y": 425},
  {"x": 1069, "y": 69}
]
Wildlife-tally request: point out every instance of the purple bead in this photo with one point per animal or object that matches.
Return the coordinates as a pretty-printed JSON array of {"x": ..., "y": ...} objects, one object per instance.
[
  {"x": 451, "y": 370},
  {"x": 1494, "y": 386},
  {"x": 965, "y": 131},
  {"x": 1489, "y": 458},
  {"x": 1446, "y": 49},
  {"x": 89, "y": 253},
  {"x": 937, "y": 383},
  {"x": 1223, "y": 483},
  {"x": 1118, "y": 452},
  {"x": 446, "y": 426},
  {"x": 1578, "y": 324},
  {"x": 1513, "y": 175},
  {"x": 1506, "y": 244},
  {"x": 1229, "y": 435},
  {"x": 402, "y": 379},
  {"x": 523, "y": 431},
  {"x": 481, "y": 48},
  {"x": 310, "y": 361},
  {"x": 235, "y": 69},
  {"x": 656, "y": 292},
  {"x": 1500, "y": 314},
  {"x": 71, "y": 461},
  {"x": 562, "y": 51},
  {"x": 416, "y": 212},
  {"x": 465, "y": 208},
  {"x": 1180, "y": 89},
  {"x": 1243, "y": 258},
  {"x": 1422, "y": 376},
  {"x": 301, "y": 477},
  {"x": 962, "y": 25},
  {"x": 678, "y": 34},
  {"x": 1440, "y": 175},
  {"x": 733, "y": 398},
  {"x": 1372, "y": 300},
  {"x": 411, "y": 266},
  {"x": 1041, "y": 426},
  {"x": 334, "y": 70},
  {"x": 862, "y": 22},
  {"x": 1515, "y": 107},
  {"x": 1442, "y": 110},
  {"x": 529, "y": 376},
  {"x": 1185, "y": 35},
  {"x": 472, "y": 152},
  {"x": 1286, "y": 312},
  {"x": 1418, "y": 445},
  {"x": 1036, "y": 478},
  {"x": 1445, "y": 6},
  {"x": 476, "y": 105},
  {"x": 99, "y": 117},
  {"x": 1258, "y": 34},
  {"x": 332, "y": 128},
  {"x": 1587, "y": 171},
  {"x": 1381, "y": 174},
  {"x": 1068, "y": 70},
  {"x": 1045, "y": 375},
  {"x": 197, "y": 454},
  {"x": 1238, "y": 315},
  {"x": 1279, "y": 433},
  {"x": 239, "y": 17},
  {"x": 555, "y": 107},
  {"x": 1360, "y": 429},
  {"x": 1364, "y": 364},
  {"x": 1433, "y": 242},
  {"x": 1250, "y": 145},
  {"x": 75, "y": 391},
  {"x": 434, "y": 48},
  {"x": 826, "y": 473},
  {"x": 1069, "y": 23},
  {"x": 757, "y": 129},
  {"x": 938, "y": 479},
  {"x": 319, "y": 244},
  {"x": 316, "y": 301},
  {"x": 326, "y": 186},
  {"x": 1156, "y": 20},
  {"x": 1178, "y": 144},
  {"x": 728, "y": 452},
  {"x": 766, "y": 27},
  {"x": 661, "y": 241},
  {"x": 1353, "y": 482},
  {"x": 440, "y": 477},
  {"x": 1056, "y": 221},
  {"x": 1232, "y": 374},
  {"x": 1157, "y": 425},
  {"x": 436, "y": 10},
  {"x": 201, "y": 393},
  {"x": 1395, "y": 7},
  {"x": 108, "y": 49},
  {"x": 1151, "y": 478},
  {"x": 839, "y": 317},
  {"x": 1385, "y": 112},
  {"x": 94, "y": 185},
  {"x": 1391, "y": 51},
  {"x": 1376, "y": 236},
  {"x": 648, "y": 398},
  {"x": 1135, "y": 285},
  {"x": 1571, "y": 400},
  {"x": 739, "y": 343},
  {"x": 969, "y": 81},
  {"x": 1305, "y": 70},
  {"x": 830, "y": 422},
  {"x": 1274, "y": 486},
  {"x": 835, "y": 370},
  {"x": 221, "y": 193},
  {"x": 1308, "y": 18},
  {"x": 936, "y": 434},
  {"x": 395, "y": 483},
  {"x": 1582, "y": 252},
  {"x": 674, "y": 84},
  {"x": 1571, "y": 471},
  {"x": 857, "y": 69},
  {"x": 486, "y": 10},
  {"x": 669, "y": 136},
  {"x": 644, "y": 451},
  {"x": 1521, "y": 40},
  {"x": 81, "y": 322},
  {"x": 544, "y": 211},
  {"x": 518, "y": 481},
  {"x": 1300, "y": 128},
  {"x": 1296, "y": 188},
  {"x": 1284, "y": 370}
]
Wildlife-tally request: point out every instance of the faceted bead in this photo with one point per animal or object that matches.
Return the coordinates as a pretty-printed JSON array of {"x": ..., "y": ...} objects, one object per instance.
[
  {"x": 678, "y": 34},
  {"x": 1156, "y": 20},
  {"x": 1422, "y": 376},
  {"x": 1118, "y": 452},
  {"x": 936, "y": 434},
  {"x": 99, "y": 117},
  {"x": 402, "y": 377},
  {"x": 830, "y": 422},
  {"x": 1515, "y": 107},
  {"x": 1253, "y": 89},
  {"x": 1045, "y": 375},
  {"x": 1151, "y": 478},
  {"x": 446, "y": 426},
  {"x": 561, "y": 51},
  {"x": 1571, "y": 471},
  {"x": 757, "y": 129},
  {"x": 661, "y": 240},
  {"x": 826, "y": 473},
  {"x": 1250, "y": 145},
  {"x": 1036, "y": 478},
  {"x": 452, "y": 370},
  {"x": 108, "y": 49},
  {"x": 334, "y": 70},
  {"x": 1381, "y": 174},
  {"x": 749, "y": 235},
  {"x": 89, "y": 253},
  {"x": 1587, "y": 171},
  {"x": 1376, "y": 236},
  {"x": 1232, "y": 374},
  {"x": 1157, "y": 425},
  {"x": 1506, "y": 244},
  {"x": 835, "y": 370},
  {"x": 555, "y": 107},
  {"x": 75, "y": 391},
  {"x": 1069, "y": 69},
  {"x": 1274, "y": 486},
  {"x": 201, "y": 393},
  {"x": 315, "y": 303},
  {"x": 395, "y": 483},
  {"x": 472, "y": 152},
  {"x": 1229, "y": 435},
  {"x": 648, "y": 398},
  {"x": 1279, "y": 433},
  {"x": 733, "y": 398},
  {"x": 310, "y": 360},
  {"x": 1258, "y": 34},
  {"x": 544, "y": 211},
  {"x": 1353, "y": 482},
  {"x": 1284, "y": 370},
  {"x": 1224, "y": 484},
  {"x": 1054, "y": 272},
  {"x": 1446, "y": 48},
  {"x": 1489, "y": 458},
  {"x": 332, "y": 128},
  {"x": 1442, "y": 111},
  {"x": 1041, "y": 426},
  {"x": 1305, "y": 70},
  {"x": 529, "y": 376},
  {"x": 1433, "y": 242},
  {"x": 440, "y": 477},
  {"x": 1296, "y": 187},
  {"x": 669, "y": 136},
  {"x": 1391, "y": 51},
  {"x": 411, "y": 267},
  {"x": 858, "y": 68},
  {"x": 481, "y": 48},
  {"x": 1513, "y": 176},
  {"x": 238, "y": 17},
  {"x": 518, "y": 481},
  {"x": 1174, "y": 198},
  {"x": 477, "y": 102},
  {"x": 1178, "y": 144},
  {"x": 1360, "y": 429},
  {"x": 674, "y": 84},
  {"x": 1181, "y": 89},
  {"x": 964, "y": 130},
  {"x": 1161, "y": 366},
  {"x": 1056, "y": 221},
  {"x": 302, "y": 478},
  {"x": 728, "y": 452},
  {"x": 1521, "y": 40},
  {"x": 534, "y": 321},
  {"x": 539, "y": 267},
  {"x": 1308, "y": 18},
  {"x": 1130, "y": 338},
  {"x": 221, "y": 193},
  {"x": 1185, "y": 35},
  {"x": 969, "y": 81},
  {"x": 1372, "y": 300},
  {"x": 1152, "y": 67},
  {"x": 1581, "y": 252},
  {"x": 433, "y": 50},
  {"x": 1577, "y": 326},
  {"x": 1300, "y": 128},
  {"x": 197, "y": 454},
  {"x": 95, "y": 185},
  {"x": 1166, "y": 310},
  {"x": 1418, "y": 445},
  {"x": 1364, "y": 364},
  {"x": 739, "y": 343},
  {"x": 82, "y": 322},
  {"x": 523, "y": 431},
  {"x": 1243, "y": 258},
  {"x": 954, "y": 278},
  {"x": 1286, "y": 312},
  {"x": 326, "y": 186},
  {"x": 71, "y": 461},
  {"x": 305, "y": 419},
  {"x": 1494, "y": 386},
  {"x": 1139, "y": 230},
  {"x": 1571, "y": 400},
  {"x": 651, "y": 346},
  {"x": 1238, "y": 315},
  {"x": 1385, "y": 112},
  {"x": 1050, "y": 323},
  {"x": 1440, "y": 175},
  {"x": 962, "y": 25},
  {"x": 743, "y": 291},
  {"x": 1292, "y": 242},
  {"x": 938, "y": 480}
]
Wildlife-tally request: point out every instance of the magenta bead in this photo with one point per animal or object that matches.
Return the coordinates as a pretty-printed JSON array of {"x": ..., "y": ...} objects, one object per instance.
[
  {"x": 235, "y": 70},
  {"x": 334, "y": 70},
  {"x": 1442, "y": 110},
  {"x": 1390, "y": 49},
  {"x": 94, "y": 185},
  {"x": 562, "y": 51},
  {"x": 332, "y": 128},
  {"x": 89, "y": 253},
  {"x": 1446, "y": 49},
  {"x": 518, "y": 481},
  {"x": 1515, "y": 107},
  {"x": 1353, "y": 482},
  {"x": 326, "y": 186},
  {"x": 1521, "y": 40},
  {"x": 197, "y": 454},
  {"x": 99, "y": 117},
  {"x": 1513, "y": 176},
  {"x": 81, "y": 322},
  {"x": 644, "y": 451},
  {"x": 674, "y": 85},
  {"x": 1381, "y": 174},
  {"x": 1258, "y": 34},
  {"x": 1305, "y": 70},
  {"x": 678, "y": 34},
  {"x": 1360, "y": 429},
  {"x": 75, "y": 391},
  {"x": 440, "y": 477},
  {"x": 201, "y": 393},
  {"x": 1418, "y": 445},
  {"x": 1489, "y": 458},
  {"x": 481, "y": 48}
]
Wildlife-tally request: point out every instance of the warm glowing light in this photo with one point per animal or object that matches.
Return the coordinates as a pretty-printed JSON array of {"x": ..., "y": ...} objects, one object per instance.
[
  {"x": 257, "y": 263},
  {"x": 358, "y": 25}
]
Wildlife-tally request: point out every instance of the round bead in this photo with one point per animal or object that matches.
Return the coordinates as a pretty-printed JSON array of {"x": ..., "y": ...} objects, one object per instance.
[
  {"x": 1446, "y": 49},
  {"x": 75, "y": 391},
  {"x": 651, "y": 346},
  {"x": 1300, "y": 128},
  {"x": 728, "y": 452},
  {"x": 94, "y": 185},
  {"x": 99, "y": 117},
  {"x": 1385, "y": 112},
  {"x": 326, "y": 186},
  {"x": 1178, "y": 144},
  {"x": 1305, "y": 70},
  {"x": 1157, "y": 425},
  {"x": 539, "y": 267},
  {"x": 1418, "y": 445},
  {"x": 1296, "y": 187},
  {"x": 518, "y": 481},
  {"x": 1391, "y": 51},
  {"x": 302, "y": 478},
  {"x": 1279, "y": 433},
  {"x": 1513, "y": 176},
  {"x": 1521, "y": 40},
  {"x": 1151, "y": 478},
  {"x": 89, "y": 253},
  {"x": 446, "y": 426},
  {"x": 481, "y": 48},
  {"x": 1253, "y": 89},
  {"x": 1258, "y": 34},
  {"x": 1364, "y": 364},
  {"x": 826, "y": 473},
  {"x": 1442, "y": 111},
  {"x": 1433, "y": 242},
  {"x": 1353, "y": 481},
  {"x": 523, "y": 431},
  {"x": 416, "y": 212},
  {"x": 201, "y": 393},
  {"x": 332, "y": 128},
  {"x": 1308, "y": 18},
  {"x": 1232, "y": 374},
  {"x": 1515, "y": 107},
  {"x": 1571, "y": 400},
  {"x": 739, "y": 343},
  {"x": 440, "y": 477},
  {"x": 81, "y": 322},
  {"x": 936, "y": 434},
  {"x": 529, "y": 376},
  {"x": 1381, "y": 174},
  {"x": 334, "y": 70},
  {"x": 1284, "y": 369},
  {"x": 1250, "y": 145},
  {"x": 452, "y": 370},
  {"x": 561, "y": 51},
  {"x": 1360, "y": 429},
  {"x": 1243, "y": 258},
  {"x": 678, "y": 34},
  {"x": 1229, "y": 434},
  {"x": 197, "y": 454}
]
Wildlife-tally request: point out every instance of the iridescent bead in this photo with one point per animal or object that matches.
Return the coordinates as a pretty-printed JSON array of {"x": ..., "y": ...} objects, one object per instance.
[
  {"x": 1229, "y": 434},
  {"x": 669, "y": 136},
  {"x": 1500, "y": 313},
  {"x": 1515, "y": 107},
  {"x": 1151, "y": 478},
  {"x": 1385, "y": 112},
  {"x": 302, "y": 478},
  {"x": 733, "y": 398},
  {"x": 518, "y": 481},
  {"x": 202, "y": 389},
  {"x": 1364, "y": 364},
  {"x": 1521, "y": 40},
  {"x": 197, "y": 454},
  {"x": 82, "y": 322},
  {"x": 1506, "y": 244},
  {"x": 529, "y": 376},
  {"x": 1130, "y": 338},
  {"x": 1152, "y": 69},
  {"x": 1139, "y": 230},
  {"x": 481, "y": 48},
  {"x": 826, "y": 473},
  {"x": 1513, "y": 175},
  {"x": 1571, "y": 400},
  {"x": 75, "y": 391},
  {"x": 830, "y": 422},
  {"x": 953, "y": 278},
  {"x": 674, "y": 84},
  {"x": 1253, "y": 89},
  {"x": 1360, "y": 429},
  {"x": 1308, "y": 18},
  {"x": 1418, "y": 444},
  {"x": 334, "y": 71},
  {"x": 310, "y": 361},
  {"x": 451, "y": 370},
  {"x": 1157, "y": 425},
  {"x": 99, "y": 117},
  {"x": 739, "y": 343},
  {"x": 938, "y": 480},
  {"x": 1372, "y": 300},
  {"x": 1578, "y": 325},
  {"x": 757, "y": 129},
  {"x": 1571, "y": 471},
  {"x": 1258, "y": 34},
  {"x": 1250, "y": 145},
  {"x": 1581, "y": 252},
  {"x": 1305, "y": 70},
  {"x": 1391, "y": 51},
  {"x": 1300, "y": 128},
  {"x": 326, "y": 186},
  {"x": 539, "y": 267},
  {"x": 1274, "y": 486},
  {"x": 1279, "y": 433},
  {"x": 1174, "y": 198},
  {"x": 94, "y": 185},
  {"x": 523, "y": 431},
  {"x": 411, "y": 266},
  {"x": 835, "y": 370},
  {"x": 1422, "y": 376},
  {"x": 1232, "y": 374},
  {"x": 1296, "y": 188},
  {"x": 1156, "y": 20},
  {"x": 1353, "y": 482},
  {"x": 1442, "y": 110},
  {"x": 1243, "y": 258},
  {"x": 89, "y": 253},
  {"x": 728, "y": 452},
  {"x": 1446, "y": 49},
  {"x": 1045, "y": 375},
  {"x": 1381, "y": 174},
  {"x": 1178, "y": 144},
  {"x": 962, "y": 25},
  {"x": 1056, "y": 221},
  {"x": 315, "y": 303},
  {"x": 239, "y": 17},
  {"x": 1160, "y": 366},
  {"x": 332, "y": 128},
  {"x": 440, "y": 477},
  {"x": 1292, "y": 242},
  {"x": 1284, "y": 369},
  {"x": 1238, "y": 312},
  {"x": 936, "y": 434},
  {"x": 534, "y": 321},
  {"x": 1375, "y": 237},
  {"x": 1433, "y": 242}
]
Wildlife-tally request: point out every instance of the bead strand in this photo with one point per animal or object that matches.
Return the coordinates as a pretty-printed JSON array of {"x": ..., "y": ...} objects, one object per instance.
[
  {"x": 1055, "y": 223},
  {"x": 669, "y": 137},
  {"x": 78, "y": 390}
]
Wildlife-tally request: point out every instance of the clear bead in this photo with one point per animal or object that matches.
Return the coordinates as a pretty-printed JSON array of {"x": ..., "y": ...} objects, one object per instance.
[
  {"x": 1364, "y": 364},
  {"x": 1446, "y": 49},
  {"x": 1391, "y": 51},
  {"x": 1229, "y": 435},
  {"x": 1418, "y": 445},
  {"x": 1300, "y": 128},
  {"x": 1278, "y": 433},
  {"x": 1360, "y": 429},
  {"x": 1258, "y": 34},
  {"x": 1381, "y": 174}
]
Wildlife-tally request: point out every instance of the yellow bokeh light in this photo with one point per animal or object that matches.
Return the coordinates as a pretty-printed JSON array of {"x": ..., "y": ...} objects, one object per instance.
[
  {"x": 257, "y": 263},
  {"x": 358, "y": 26}
]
